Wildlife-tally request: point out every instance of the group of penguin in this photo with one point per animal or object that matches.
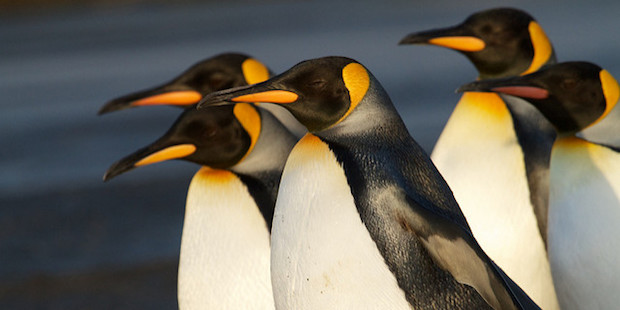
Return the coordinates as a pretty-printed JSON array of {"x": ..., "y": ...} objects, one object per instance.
[{"x": 313, "y": 195}]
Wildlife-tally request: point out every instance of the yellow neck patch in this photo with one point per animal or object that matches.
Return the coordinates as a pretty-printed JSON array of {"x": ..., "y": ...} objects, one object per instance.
[
  {"x": 249, "y": 118},
  {"x": 484, "y": 106},
  {"x": 357, "y": 81},
  {"x": 215, "y": 175},
  {"x": 611, "y": 90},
  {"x": 172, "y": 152},
  {"x": 310, "y": 148},
  {"x": 310, "y": 141},
  {"x": 465, "y": 44},
  {"x": 571, "y": 142},
  {"x": 542, "y": 47},
  {"x": 254, "y": 71}
]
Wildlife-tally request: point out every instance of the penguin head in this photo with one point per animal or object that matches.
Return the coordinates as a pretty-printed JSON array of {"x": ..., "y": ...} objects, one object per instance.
[
  {"x": 218, "y": 137},
  {"x": 216, "y": 73},
  {"x": 320, "y": 93},
  {"x": 499, "y": 42},
  {"x": 571, "y": 95}
]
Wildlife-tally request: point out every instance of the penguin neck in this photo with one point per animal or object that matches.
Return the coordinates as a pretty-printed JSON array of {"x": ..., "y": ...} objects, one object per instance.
[
  {"x": 567, "y": 136},
  {"x": 604, "y": 131},
  {"x": 271, "y": 150},
  {"x": 374, "y": 115},
  {"x": 542, "y": 57},
  {"x": 568, "y": 141},
  {"x": 286, "y": 118},
  {"x": 261, "y": 170}
]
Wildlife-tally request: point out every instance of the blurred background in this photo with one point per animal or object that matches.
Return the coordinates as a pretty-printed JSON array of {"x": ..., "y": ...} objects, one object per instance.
[{"x": 70, "y": 241}]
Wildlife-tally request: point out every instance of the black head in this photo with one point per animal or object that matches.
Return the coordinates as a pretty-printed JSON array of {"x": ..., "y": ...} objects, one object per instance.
[
  {"x": 571, "y": 95},
  {"x": 218, "y": 137},
  {"x": 500, "y": 42},
  {"x": 319, "y": 93},
  {"x": 216, "y": 73}
]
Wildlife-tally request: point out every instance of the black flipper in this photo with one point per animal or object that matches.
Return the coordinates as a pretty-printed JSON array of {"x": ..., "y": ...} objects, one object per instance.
[{"x": 456, "y": 251}]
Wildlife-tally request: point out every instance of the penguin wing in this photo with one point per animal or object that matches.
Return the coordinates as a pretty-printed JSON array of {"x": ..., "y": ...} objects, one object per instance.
[{"x": 455, "y": 250}]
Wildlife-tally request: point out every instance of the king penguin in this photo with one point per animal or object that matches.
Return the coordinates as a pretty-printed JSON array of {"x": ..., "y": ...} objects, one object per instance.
[
  {"x": 216, "y": 73},
  {"x": 225, "y": 250},
  {"x": 494, "y": 153},
  {"x": 584, "y": 209},
  {"x": 363, "y": 219}
]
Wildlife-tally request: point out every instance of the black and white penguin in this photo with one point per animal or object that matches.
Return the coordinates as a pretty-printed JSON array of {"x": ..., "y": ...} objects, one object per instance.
[
  {"x": 494, "y": 152},
  {"x": 363, "y": 219},
  {"x": 584, "y": 210},
  {"x": 225, "y": 247}
]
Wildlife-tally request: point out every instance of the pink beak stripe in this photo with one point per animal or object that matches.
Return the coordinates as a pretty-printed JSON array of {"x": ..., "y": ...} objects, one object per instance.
[{"x": 523, "y": 91}]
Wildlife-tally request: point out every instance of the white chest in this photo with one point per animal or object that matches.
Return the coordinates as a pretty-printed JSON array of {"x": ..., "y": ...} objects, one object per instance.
[
  {"x": 322, "y": 254},
  {"x": 224, "y": 262},
  {"x": 584, "y": 229},
  {"x": 479, "y": 156}
]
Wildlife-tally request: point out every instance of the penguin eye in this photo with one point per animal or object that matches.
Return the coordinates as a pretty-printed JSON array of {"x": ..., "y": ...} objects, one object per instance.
[
  {"x": 201, "y": 131},
  {"x": 318, "y": 83},
  {"x": 219, "y": 81},
  {"x": 486, "y": 29},
  {"x": 211, "y": 81},
  {"x": 209, "y": 132},
  {"x": 569, "y": 84}
]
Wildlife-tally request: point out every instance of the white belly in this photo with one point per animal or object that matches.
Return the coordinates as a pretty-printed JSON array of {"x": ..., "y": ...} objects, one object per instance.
[
  {"x": 322, "y": 254},
  {"x": 479, "y": 156},
  {"x": 584, "y": 226},
  {"x": 224, "y": 261}
]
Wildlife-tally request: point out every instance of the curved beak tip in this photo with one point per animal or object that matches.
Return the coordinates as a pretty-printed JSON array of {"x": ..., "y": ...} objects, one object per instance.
[
  {"x": 109, "y": 174},
  {"x": 409, "y": 39},
  {"x": 202, "y": 103},
  {"x": 210, "y": 101},
  {"x": 467, "y": 87},
  {"x": 459, "y": 90},
  {"x": 104, "y": 109},
  {"x": 112, "y": 106},
  {"x": 116, "y": 170}
]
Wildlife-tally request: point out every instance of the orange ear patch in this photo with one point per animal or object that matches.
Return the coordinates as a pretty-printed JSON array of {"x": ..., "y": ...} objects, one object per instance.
[
  {"x": 542, "y": 47},
  {"x": 611, "y": 90},
  {"x": 254, "y": 71},
  {"x": 357, "y": 82},
  {"x": 249, "y": 118}
]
